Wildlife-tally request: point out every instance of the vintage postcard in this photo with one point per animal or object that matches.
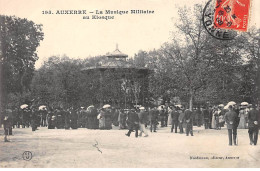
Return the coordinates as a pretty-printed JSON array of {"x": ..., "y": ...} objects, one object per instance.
[{"x": 129, "y": 83}]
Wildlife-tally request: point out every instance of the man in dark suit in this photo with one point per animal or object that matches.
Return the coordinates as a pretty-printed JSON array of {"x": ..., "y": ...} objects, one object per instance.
[
  {"x": 231, "y": 119},
  {"x": 175, "y": 116},
  {"x": 153, "y": 116},
  {"x": 7, "y": 121},
  {"x": 34, "y": 119},
  {"x": 253, "y": 125},
  {"x": 67, "y": 119},
  {"x": 122, "y": 119},
  {"x": 26, "y": 117},
  {"x": 60, "y": 118},
  {"x": 206, "y": 115},
  {"x": 162, "y": 116},
  {"x": 188, "y": 120},
  {"x": 181, "y": 119},
  {"x": 92, "y": 121},
  {"x": 210, "y": 109},
  {"x": 132, "y": 123}
]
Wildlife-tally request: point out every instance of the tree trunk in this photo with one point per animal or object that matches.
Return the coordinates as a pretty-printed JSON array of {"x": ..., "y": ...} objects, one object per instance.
[
  {"x": 191, "y": 100},
  {"x": 23, "y": 88}
]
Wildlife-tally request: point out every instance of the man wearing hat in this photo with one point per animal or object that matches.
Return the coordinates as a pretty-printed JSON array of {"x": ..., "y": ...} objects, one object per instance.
[
  {"x": 175, "y": 119},
  {"x": 34, "y": 119},
  {"x": 122, "y": 118},
  {"x": 181, "y": 119},
  {"x": 67, "y": 119},
  {"x": 132, "y": 123},
  {"x": 153, "y": 116},
  {"x": 253, "y": 125},
  {"x": 189, "y": 124},
  {"x": 210, "y": 109},
  {"x": 26, "y": 112},
  {"x": 231, "y": 119},
  {"x": 51, "y": 118},
  {"x": 60, "y": 118},
  {"x": 92, "y": 121},
  {"x": 206, "y": 116},
  {"x": 8, "y": 124}
]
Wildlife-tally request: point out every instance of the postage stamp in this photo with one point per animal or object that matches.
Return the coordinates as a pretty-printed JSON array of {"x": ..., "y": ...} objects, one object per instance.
[
  {"x": 210, "y": 24},
  {"x": 232, "y": 14}
]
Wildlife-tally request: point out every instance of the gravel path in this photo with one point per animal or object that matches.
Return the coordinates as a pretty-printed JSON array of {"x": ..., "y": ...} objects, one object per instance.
[{"x": 111, "y": 148}]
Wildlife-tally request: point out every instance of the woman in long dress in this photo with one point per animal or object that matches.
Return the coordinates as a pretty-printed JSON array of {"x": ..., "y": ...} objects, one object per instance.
[
  {"x": 213, "y": 123},
  {"x": 101, "y": 117},
  {"x": 242, "y": 116},
  {"x": 108, "y": 118},
  {"x": 169, "y": 116},
  {"x": 122, "y": 119},
  {"x": 92, "y": 121}
]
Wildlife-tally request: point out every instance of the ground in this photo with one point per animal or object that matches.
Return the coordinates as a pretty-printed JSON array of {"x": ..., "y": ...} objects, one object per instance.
[{"x": 111, "y": 148}]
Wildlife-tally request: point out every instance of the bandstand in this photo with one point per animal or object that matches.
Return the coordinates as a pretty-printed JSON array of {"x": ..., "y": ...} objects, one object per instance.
[{"x": 118, "y": 82}]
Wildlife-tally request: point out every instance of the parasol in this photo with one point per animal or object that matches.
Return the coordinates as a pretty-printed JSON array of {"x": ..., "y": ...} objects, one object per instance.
[
  {"x": 42, "y": 107},
  {"x": 23, "y": 106},
  {"x": 90, "y": 107},
  {"x": 244, "y": 103},
  {"x": 231, "y": 103},
  {"x": 141, "y": 108},
  {"x": 106, "y": 106},
  {"x": 178, "y": 105}
]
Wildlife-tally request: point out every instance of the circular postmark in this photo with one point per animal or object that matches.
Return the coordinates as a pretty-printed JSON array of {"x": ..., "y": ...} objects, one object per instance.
[
  {"x": 27, "y": 155},
  {"x": 211, "y": 27}
]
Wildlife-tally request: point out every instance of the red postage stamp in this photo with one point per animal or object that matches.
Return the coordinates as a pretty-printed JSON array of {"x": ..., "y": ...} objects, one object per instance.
[{"x": 232, "y": 14}]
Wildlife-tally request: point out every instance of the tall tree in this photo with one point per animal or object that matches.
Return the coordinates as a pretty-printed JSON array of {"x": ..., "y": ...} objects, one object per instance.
[
  {"x": 252, "y": 53},
  {"x": 195, "y": 60},
  {"x": 19, "y": 39}
]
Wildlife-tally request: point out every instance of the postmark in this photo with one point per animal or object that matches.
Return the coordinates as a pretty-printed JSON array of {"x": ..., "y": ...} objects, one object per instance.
[
  {"x": 27, "y": 155},
  {"x": 210, "y": 24},
  {"x": 232, "y": 14}
]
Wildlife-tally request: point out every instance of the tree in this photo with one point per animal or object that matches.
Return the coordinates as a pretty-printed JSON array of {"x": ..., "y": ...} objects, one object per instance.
[
  {"x": 252, "y": 48},
  {"x": 19, "y": 39},
  {"x": 58, "y": 82},
  {"x": 195, "y": 66}
]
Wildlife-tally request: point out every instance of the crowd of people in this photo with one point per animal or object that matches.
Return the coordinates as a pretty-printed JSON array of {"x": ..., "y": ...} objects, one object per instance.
[{"x": 137, "y": 118}]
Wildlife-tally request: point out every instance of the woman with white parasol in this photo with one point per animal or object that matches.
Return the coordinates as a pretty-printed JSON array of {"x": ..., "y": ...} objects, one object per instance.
[
  {"x": 222, "y": 112},
  {"x": 236, "y": 110},
  {"x": 43, "y": 114},
  {"x": 102, "y": 116},
  {"x": 169, "y": 110},
  {"x": 108, "y": 116},
  {"x": 243, "y": 116},
  {"x": 25, "y": 115}
]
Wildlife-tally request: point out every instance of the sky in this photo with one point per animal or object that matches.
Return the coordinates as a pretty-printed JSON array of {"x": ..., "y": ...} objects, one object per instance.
[{"x": 71, "y": 35}]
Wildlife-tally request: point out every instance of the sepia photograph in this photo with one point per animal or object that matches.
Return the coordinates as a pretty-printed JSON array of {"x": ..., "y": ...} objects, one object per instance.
[{"x": 129, "y": 83}]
